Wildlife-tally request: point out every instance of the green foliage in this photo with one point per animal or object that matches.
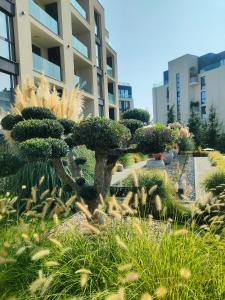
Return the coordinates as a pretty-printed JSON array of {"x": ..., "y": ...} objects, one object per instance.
[
  {"x": 132, "y": 124},
  {"x": 68, "y": 125},
  {"x": 10, "y": 120},
  {"x": 171, "y": 115},
  {"x": 39, "y": 113},
  {"x": 29, "y": 129},
  {"x": 215, "y": 182},
  {"x": 137, "y": 114},
  {"x": 186, "y": 144},
  {"x": 101, "y": 134},
  {"x": 88, "y": 167},
  {"x": 10, "y": 164},
  {"x": 59, "y": 148},
  {"x": 213, "y": 129},
  {"x": 195, "y": 127},
  {"x": 35, "y": 149},
  {"x": 153, "y": 139},
  {"x": 153, "y": 178}
]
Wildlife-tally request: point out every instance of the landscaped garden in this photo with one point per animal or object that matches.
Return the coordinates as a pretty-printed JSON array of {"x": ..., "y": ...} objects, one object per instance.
[{"x": 67, "y": 233}]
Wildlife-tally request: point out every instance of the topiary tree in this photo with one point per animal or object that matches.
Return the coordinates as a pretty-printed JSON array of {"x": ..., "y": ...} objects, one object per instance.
[
  {"x": 195, "y": 127},
  {"x": 213, "y": 129},
  {"x": 132, "y": 124},
  {"x": 171, "y": 115},
  {"x": 137, "y": 114}
]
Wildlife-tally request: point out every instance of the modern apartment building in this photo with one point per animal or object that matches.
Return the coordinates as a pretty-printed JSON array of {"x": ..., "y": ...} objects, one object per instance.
[
  {"x": 191, "y": 83},
  {"x": 66, "y": 40},
  {"x": 126, "y": 100}
]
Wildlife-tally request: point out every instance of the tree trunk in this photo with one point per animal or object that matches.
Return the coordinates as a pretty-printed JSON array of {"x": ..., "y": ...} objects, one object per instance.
[
  {"x": 110, "y": 164},
  {"x": 99, "y": 172},
  {"x": 74, "y": 168}
]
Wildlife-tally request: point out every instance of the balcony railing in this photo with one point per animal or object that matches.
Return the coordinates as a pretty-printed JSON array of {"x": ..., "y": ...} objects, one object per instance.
[
  {"x": 46, "y": 67},
  {"x": 111, "y": 98},
  {"x": 44, "y": 18},
  {"x": 109, "y": 70},
  {"x": 83, "y": 84},
  {"x": 79, "y": 9},
  {"x": 80, "y": 47}
]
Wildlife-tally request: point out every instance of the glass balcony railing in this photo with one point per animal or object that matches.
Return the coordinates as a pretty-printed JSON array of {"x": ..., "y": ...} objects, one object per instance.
[
  {"x": 109, "y": 70},
  {"x": 111, "y": 98},
  {"x": 80, "y": 47},
  {"x": 46, "y": 67},
  {"x": 79, "y": 9},
  {"x": 83, "y": 84},
  {"x": 44, "y": 18}
]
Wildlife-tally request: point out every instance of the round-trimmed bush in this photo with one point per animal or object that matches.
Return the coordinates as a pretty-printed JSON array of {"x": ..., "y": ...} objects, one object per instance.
[
  {"x": 36, "y": 149},
  {"x": 59, "y": 148},
  {"x": 68, "y": 125},
  {"x": 29, "y": 129},
  {"x": 137, "y": 114},
  {"x": 10, "y": 164},
  {"x": 38, "y": 113},
  {"x": 153, "y": 139},
  {"x": 186, "y": 144},
  {"x": 101, "y": 134},
  {"x": 132, "y": 124},
  {"x": 9, "y": 121}
]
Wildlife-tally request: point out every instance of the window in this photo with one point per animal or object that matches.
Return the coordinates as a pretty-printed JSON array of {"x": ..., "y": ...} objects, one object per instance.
[
  {"x": 6, "y": 37},
  {"x": 203, "y": 110},
  {"x": 97, "y": 25},
  {"x": 100, "y": 86},
  {"x": 101, "y": 110},
  {"x": 203, "y": 83},
  {"x": 7, "y": 85},
  {"x": 98, "y": 56},
  {"x": 203, "y": 97}
]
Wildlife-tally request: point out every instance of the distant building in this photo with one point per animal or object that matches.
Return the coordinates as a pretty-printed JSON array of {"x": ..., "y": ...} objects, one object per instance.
[
  {"x": 191, "y": 83},
  {"x": 125, "y": 97}
]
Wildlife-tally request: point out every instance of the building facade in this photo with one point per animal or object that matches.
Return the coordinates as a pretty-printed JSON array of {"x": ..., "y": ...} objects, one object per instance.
[
  {"x": 66, "y": 40},
  {"x": 191, "y": 83},
  {"x": 126, "y": 100}
]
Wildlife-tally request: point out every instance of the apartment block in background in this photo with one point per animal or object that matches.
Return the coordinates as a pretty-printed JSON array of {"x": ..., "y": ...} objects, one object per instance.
[
  {"x": 191, "y": 83},
  {"x": 126, "y": 100},
  {"x": 66, "y": 40}
]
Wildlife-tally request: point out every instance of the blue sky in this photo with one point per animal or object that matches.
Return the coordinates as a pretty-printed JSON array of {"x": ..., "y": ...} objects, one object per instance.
[{"x": 148, "y": 33}]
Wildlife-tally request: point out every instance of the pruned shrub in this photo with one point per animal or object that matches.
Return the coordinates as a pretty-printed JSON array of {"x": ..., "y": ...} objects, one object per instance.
[
  {"x": 10, "y": 120},
  {"x": 29, "y": 129},
  {"x": 100, "y": 133},
  {"x": 36, "y": 149},
  {"x": 153, "y": 139},
  {"x": 132, "y": 124},
  {"x": 186, "y": 144},
  {"x": 39, "y": 113},
  {"x": 59, "y": 148},
  {"x": 137, "y": 114},
  {"x": 68, "y": 125}
]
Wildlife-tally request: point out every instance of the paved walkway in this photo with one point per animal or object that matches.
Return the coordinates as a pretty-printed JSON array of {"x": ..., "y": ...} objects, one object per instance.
[
  {"x": 202, "y": 168},
  {"x": 120, "y": 176}
]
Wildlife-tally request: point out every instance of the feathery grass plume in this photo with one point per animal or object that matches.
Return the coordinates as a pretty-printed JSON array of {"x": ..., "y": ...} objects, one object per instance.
[
  {"x": 135, "y": 179},
  {"x": 137, "y": 226},
  {"x": 161, "y": 292},
  {"x": 36, "y": 285},
  {"x": 40, "y": 254},
  {"x": 185, "y": 273},
  {"x": 42, "y": 179},
  {"x": 146, "y": 296},
  {"x": 102, "y": 201},
  {"x": 130, "y": 277},
  {"x": 143, "y": 196},
  {"x": 127, "y": 199},
  {"x": 56, "y": 243},
  {"x": 181, "y": 232},
  {"x": 56, "y": 219},
  {"x": 136, "y": 201},
  {"x": 84, "y": 209},
  {"x": 46, "y": 284},
  {"x": 70, "y": 201},
  {"x": 25, "y": 237},
  {"x": 5, "y": 260},
  {"x": 84, "y": 276},
  {"x": 91, "y": 228},
  {"x": 120, "y": 295},
  {"x": 126, "y": 267},
  {"x": 158, "y": 203},
  {"x": 34, "y": 194},
  {"x": 23, "y": 187},
  {"x": 44, "y": 194},
  {"x": 152, "y": 189},
  {"x": 120, "y": 243},
  {"x": 51, "y": 263},
  {"x": 21, "y": 250}
]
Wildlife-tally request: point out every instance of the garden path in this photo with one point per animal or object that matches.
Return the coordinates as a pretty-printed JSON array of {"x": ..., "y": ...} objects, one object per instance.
[
  {"x": 202, "y": 168},
  {"x": 120, "y": 176}
]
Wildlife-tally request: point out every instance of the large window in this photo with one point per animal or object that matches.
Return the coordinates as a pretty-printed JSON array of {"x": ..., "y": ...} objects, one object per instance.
[
  {"x": 6, "y": 37},
  {"x": 203, "y": 97},
  {"x": 203, "y": 83},
  {"x": 100, "y": 86},
  {"x": 97, "y": 25},
  {"x": 98, "y": 56},
  {"x": 7, "y": 85}
]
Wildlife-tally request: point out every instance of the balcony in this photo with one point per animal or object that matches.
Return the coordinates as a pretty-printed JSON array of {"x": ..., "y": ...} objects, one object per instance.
[
  {"x": 111, "y": 98},
  {"x": 44, "y": 18},
  {"x": 42, "y": 65},
  {"x": 79, "y": 8},
  {"x": 109, "y": 70},
  {"x": 194, "y": 80},
  {"x": 80, "y": 47},
  {"x": 84, "y": 85}
]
